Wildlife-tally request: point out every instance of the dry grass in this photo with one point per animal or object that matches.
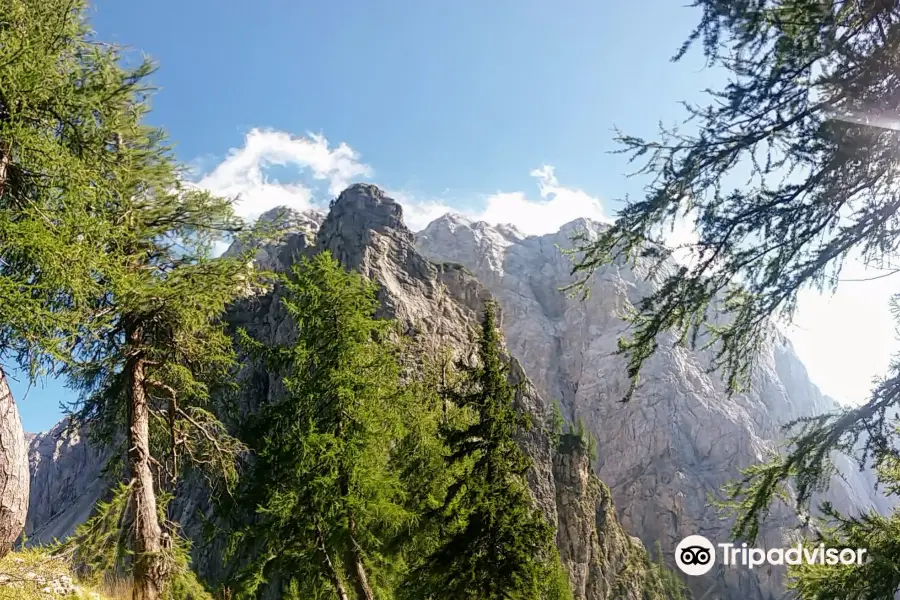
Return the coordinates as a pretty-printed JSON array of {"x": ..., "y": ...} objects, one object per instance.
[
  {"x": 32, "y": 574},
  {"x": 115, "y": 590}
]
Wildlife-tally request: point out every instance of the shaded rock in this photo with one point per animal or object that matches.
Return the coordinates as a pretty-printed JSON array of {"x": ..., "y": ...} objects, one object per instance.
[
  {"x": 66, "y": 482},
  {"x": 602, "y": 559}
]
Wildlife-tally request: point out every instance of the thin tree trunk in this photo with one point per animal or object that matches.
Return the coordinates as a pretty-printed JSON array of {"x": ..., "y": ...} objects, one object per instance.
[
  {"x": 14, "y": 476},
  {"x": 332, "y": 570},
  {"x": 4, "y": 167},
  {"x": 148, "y": 564},
  {"x": 360, "y": 579}
]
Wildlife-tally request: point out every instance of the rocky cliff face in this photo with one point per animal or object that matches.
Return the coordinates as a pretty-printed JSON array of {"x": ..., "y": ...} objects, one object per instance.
[
  {"x": 681, "y": 437},
  {"x": 661, "y": 455},
  {"x": 439, "y": 306},
  {"x": 66, "y": 481},
  {"x": 13, "y": 470}
]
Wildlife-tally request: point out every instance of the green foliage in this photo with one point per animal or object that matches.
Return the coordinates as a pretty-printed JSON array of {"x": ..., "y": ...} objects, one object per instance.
[
  {"x": 323, "y": 486},
  {"x": 164, "y": 298},
  {"x": 876, "y": 578},
  {"x": 556, "y": 425},
  {"x": 789, "y": 170},
  {"x": 99, "y": 547},
  {"x": 577, "y": 440},
  {"x": 671, "y": 586},
  {"x": 494, "y": 543},
  {"x": 420, "y": 457},
  {"x": 865, "y": 432},
  {"x": 803, "y": 128},
  {"x": 61, "y": 96},
  {"x": 105, "y": 253},
  {"x": 556, "y": 584}
]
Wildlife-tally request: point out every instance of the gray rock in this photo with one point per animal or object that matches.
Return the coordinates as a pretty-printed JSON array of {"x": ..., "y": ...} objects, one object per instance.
[
  {"x": 680, "y": 438},
  {"x": 286, "y": 228},
  {"x": 602, "y": 559},
  {"x": 66, "y": 482}
]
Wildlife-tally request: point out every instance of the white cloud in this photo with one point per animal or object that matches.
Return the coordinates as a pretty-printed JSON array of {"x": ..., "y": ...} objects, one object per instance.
[
  {"x": 556, "y": 206},
  {"x": 417, "y": 214},
  {"x": 243, "y": 172}
]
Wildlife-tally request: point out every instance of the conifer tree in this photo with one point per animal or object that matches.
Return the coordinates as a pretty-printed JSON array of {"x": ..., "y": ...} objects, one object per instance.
[
  {"x": 105, "y": 258},
  {"x": 148, "y": 375},
  {"x": 60, "y": 95},
  {"x": 873, "y": 578},
  {"x": 496, "y": 545},
  {"x": 325, "y": 492}
]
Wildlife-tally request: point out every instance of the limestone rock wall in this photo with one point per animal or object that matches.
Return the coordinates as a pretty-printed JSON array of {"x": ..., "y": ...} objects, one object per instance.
[{"x": 681, "y": 437}]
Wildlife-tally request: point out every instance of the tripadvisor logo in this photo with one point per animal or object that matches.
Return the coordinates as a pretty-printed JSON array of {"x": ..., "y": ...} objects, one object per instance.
[{"x": 696, "y": 555}]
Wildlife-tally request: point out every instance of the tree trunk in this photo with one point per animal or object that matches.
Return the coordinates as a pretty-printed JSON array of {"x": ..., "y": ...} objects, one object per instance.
[
  {"x": 14, "y": 476},
  {"x": 360, "y": 579},
  {"x": 148, "y": 564},
  {"x": 333, "y": 574},
  {"x": 4, "y": 167},
  {"x": 352, "y": 554}
]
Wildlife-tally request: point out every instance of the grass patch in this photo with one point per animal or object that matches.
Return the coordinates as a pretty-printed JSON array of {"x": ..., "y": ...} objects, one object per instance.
[{"x": 32, "y": 574}]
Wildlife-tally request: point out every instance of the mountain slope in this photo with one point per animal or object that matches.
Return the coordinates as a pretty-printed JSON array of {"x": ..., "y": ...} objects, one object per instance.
[
  {"x": 681, "y": 437},
  {"x": 439, "y": 306}
]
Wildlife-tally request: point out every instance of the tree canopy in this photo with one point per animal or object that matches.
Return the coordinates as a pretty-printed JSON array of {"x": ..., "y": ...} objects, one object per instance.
[
  {"x": 61, "y": 97},
  {"x": 788, "y": 171},
  {"x": 322, "y": 485},
  {"x": 106, "y": 271}
]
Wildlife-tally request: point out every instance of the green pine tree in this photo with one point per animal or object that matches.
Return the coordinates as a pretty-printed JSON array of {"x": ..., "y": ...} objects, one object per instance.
[
  {"x": 670, "y": 586},
  {"x": 104, "y": 262},
  {"x": 875, "y": 578},
  {"x": 148, "y": 377},
  {"x": 420, "y": 457},
  {"x": 556, "y": 425},
  {"x": 495, "y": 543},
  {"x": 62, "y": 98},
  {"x": 59, "y": 96},
  {"x": 327, "y": 498}
]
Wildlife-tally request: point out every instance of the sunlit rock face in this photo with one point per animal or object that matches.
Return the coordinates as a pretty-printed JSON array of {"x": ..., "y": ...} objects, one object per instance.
[{"x": 681, "y": 437}]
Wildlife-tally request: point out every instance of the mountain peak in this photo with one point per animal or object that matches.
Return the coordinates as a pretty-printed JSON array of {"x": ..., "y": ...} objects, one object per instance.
[
  {"x": 291, "y": 229},
  {"x": 287, "y": 218},
  {"x": 449, "y": 221},
  {"x": 364, "y": 203},
  {"x": 582, "y": 224},
  {"x": 364, "y": 222}
]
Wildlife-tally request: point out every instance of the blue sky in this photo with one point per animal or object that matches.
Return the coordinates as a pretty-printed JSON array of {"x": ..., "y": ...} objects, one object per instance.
[{"x": 503, "y": 110}]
